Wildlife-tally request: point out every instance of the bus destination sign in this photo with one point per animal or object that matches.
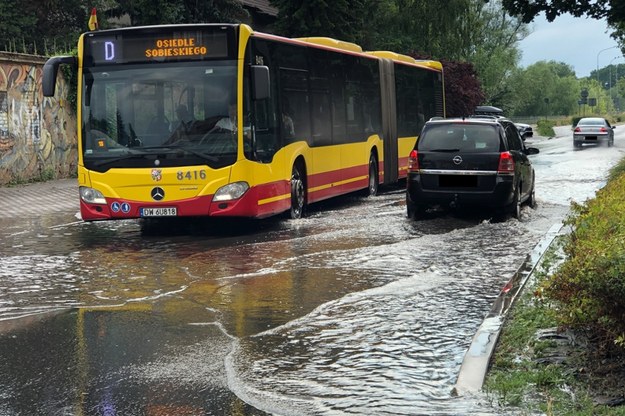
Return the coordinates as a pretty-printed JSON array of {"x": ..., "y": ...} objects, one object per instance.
[
  {"x": 176, "y": 47},
  {"x": 125, "y": 47}
]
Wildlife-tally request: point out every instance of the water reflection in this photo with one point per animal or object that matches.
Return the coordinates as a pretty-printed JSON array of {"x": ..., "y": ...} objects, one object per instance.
[
  {"x": 133, "y": 360},
  {"x": 357, "y": 310}
]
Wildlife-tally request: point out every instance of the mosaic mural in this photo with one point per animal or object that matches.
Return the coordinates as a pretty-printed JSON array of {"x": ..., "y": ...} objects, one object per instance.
[{"x": 37, "y": 134}]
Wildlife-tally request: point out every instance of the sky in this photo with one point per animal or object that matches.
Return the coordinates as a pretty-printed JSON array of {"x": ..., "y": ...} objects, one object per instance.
[{"x": 576, "y": 41}]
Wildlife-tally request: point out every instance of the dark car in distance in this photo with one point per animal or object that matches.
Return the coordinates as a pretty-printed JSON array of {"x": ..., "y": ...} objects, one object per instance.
[
  {"x": 470, "y": 162},
  {"x": 594, "y": 130},
  {"x": 525, "y": 130}
]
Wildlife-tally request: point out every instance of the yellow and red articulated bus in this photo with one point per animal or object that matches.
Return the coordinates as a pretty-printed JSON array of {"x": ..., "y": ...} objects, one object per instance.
[{"x": 219, "y": 120}]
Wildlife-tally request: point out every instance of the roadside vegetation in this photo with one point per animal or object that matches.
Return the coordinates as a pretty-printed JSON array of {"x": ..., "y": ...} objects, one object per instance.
[
  {"x": 562, "y": 349},
  {"x": 545, "y": 128},
  {"x": 46, "y": 174}
]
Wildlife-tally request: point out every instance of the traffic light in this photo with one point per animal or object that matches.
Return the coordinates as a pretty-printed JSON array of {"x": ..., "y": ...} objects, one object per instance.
[{"x": 584, "y": 96}]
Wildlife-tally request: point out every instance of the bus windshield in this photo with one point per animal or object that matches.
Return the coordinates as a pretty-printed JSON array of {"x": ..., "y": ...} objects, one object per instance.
[{"x": 134, "y": 114}]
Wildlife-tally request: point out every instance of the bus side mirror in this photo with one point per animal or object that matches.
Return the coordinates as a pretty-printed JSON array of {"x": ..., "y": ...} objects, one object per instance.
[
  {"x": 260, "y": 78},
  {"x": 50, "y": 70}
]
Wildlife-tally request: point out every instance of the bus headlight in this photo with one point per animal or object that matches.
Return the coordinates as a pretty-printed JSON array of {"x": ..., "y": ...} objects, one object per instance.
[
  {"x": 91, "y": 196},
  {"x": 231, "y": 191}
]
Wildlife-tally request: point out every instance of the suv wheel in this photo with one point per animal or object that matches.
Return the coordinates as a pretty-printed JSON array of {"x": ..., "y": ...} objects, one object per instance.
[
  {"x": 531, "y": 200},
  {"x": 515, "y": 207},
  {"x": 414, "y": 211}
]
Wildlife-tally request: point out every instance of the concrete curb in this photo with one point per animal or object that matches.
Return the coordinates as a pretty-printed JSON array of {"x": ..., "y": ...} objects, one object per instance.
[{"x": 477, "y": 358}]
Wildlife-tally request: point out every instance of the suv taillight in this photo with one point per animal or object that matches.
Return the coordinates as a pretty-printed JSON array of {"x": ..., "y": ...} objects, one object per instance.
[
  {"x": 413, "y": 161},
  {"x": 506, "y": 163}
]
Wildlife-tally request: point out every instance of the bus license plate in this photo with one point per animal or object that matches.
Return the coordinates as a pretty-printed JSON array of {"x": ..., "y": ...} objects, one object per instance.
[{"x": 159, "y": 212}]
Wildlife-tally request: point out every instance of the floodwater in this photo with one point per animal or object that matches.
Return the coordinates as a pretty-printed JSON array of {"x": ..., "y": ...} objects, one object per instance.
[{"x": 352, "y": 310}]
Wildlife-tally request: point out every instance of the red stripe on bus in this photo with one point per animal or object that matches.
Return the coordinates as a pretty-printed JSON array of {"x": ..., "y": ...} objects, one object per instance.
[{"x": 256, "y": 202}]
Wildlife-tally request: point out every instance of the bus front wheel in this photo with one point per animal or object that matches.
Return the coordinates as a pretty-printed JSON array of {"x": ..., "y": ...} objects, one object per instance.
[{"x": 298, "y": 192}]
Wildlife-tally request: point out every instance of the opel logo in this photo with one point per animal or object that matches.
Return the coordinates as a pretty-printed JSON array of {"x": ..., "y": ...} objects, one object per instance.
[
  {"x": 457, "y": 160},
  {"x": 157, "y": 194}
]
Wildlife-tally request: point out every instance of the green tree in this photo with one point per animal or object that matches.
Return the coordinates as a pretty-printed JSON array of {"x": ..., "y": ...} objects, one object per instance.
[
  {"x": 495, "y": 52},
  {"x": 41, "y": 26},
  {"x": 14, "y": 24},
  {"x": 545, "y": 88},
  {"x": 339, "y": 19},
  {"x": 620, "y": 94},
  {"x": 425, "y": 27},
  {"x": 205, "y": 11},
  {"x": 607, "y": 76},
  {"x": 595, "y": 90},
  {"x": 154, "y": 12},
  {"x": 463, "y": 31},
  {"x": 611, "y": 10}
]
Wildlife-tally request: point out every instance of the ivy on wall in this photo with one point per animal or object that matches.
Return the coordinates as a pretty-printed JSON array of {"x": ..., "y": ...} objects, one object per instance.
[{"x": 70, "y": 73}]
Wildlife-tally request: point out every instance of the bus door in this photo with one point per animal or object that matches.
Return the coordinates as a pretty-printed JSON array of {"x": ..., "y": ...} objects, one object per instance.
[
  {"x": 389, "y": 121},
  {"x": 325, "y": 69}
]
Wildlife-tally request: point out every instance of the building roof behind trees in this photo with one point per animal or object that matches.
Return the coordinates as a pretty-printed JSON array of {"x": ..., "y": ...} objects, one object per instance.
[{"x": 262, "y": 5}]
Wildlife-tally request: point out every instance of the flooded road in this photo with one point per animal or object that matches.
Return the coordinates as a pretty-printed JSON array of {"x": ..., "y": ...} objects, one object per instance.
[{"x": 352, "y": 310}]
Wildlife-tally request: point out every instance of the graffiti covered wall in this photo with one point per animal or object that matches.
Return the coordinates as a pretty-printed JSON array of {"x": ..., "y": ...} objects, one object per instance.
[{"x": 37, "y": 134}]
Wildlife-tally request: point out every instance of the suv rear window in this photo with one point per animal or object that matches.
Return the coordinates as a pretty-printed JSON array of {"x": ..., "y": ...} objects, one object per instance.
[{"x": 465, "y": 137}]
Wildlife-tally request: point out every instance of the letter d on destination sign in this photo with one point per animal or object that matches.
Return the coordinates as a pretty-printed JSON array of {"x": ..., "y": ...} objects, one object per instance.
[{"x": 109, "y": 51}]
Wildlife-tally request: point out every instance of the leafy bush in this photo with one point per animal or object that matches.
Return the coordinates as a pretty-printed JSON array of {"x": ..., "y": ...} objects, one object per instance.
[
  {"x": 545, "y": 128},
  {"x": 617, "y": 170},
  {"x": 575, "y": 120},
  {"x": 590, "y": 284}
]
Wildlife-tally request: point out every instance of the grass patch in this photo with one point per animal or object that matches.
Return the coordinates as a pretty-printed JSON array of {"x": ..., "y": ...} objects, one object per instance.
[
  {"x": 514, "y": 376},
  {"x": 521, "y": 374},
  {"x": 545, "y": 128},
  {"x": 616, "y": 170}
]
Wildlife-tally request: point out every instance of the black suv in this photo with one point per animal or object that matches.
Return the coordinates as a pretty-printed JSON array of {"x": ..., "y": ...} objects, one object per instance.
[{"x": 473, "y": 161}]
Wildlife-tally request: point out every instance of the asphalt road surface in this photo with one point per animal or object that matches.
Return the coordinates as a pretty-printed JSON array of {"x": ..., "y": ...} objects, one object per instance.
[{"x": 352, "y": 310}]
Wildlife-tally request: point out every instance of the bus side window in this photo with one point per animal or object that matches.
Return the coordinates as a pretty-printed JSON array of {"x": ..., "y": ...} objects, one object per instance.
[
  {"x": 294, "y": 94},
  {"x": 324, "y": 66},
  {"x": 321, "y": 118}
]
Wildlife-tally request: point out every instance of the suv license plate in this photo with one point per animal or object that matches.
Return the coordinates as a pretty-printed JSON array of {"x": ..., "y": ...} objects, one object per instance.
[{"x": 159, "y": 212}]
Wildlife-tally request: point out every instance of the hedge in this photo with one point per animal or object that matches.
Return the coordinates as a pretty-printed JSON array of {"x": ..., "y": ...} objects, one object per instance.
[{"x": 589, "y": 287}]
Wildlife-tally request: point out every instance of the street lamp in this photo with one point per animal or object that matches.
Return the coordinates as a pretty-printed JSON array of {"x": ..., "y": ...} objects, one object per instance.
[
  {"x": 617, "y": 102},
  {"x": 599, "y": 53},
  {"x": 613, "y": 59},
  {"x": 597, "y": 73}
]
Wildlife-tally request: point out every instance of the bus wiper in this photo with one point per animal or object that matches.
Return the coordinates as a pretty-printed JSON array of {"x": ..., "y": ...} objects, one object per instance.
[
  {"x": 118, "y": 159},
  {"x": 184, "y": 149},
  {"x": 200, "y": 154}
]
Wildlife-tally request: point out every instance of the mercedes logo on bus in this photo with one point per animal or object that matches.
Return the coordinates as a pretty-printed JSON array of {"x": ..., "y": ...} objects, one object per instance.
[
  {"x": 457, "y": 160},
  {"x": 157, "y": 194}
]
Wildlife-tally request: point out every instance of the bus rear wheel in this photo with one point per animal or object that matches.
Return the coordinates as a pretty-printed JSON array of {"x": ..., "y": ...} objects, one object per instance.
[
  {"x": 298, "y": 192},
  {"x": 373, "y": 176}
]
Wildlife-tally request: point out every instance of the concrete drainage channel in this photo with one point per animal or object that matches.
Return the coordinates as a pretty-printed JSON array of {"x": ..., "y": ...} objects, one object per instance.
[{"x": 475, "y": 364}]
